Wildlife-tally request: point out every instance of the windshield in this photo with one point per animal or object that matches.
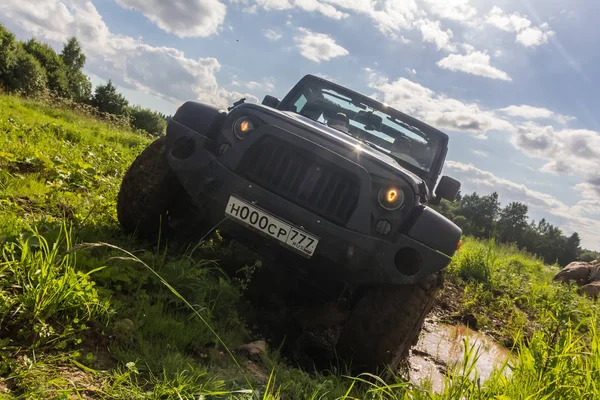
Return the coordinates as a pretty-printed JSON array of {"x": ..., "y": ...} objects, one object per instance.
[{"x": 375, "y": 124}]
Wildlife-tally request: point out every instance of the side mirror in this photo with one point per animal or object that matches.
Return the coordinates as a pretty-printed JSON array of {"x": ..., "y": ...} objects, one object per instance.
[
  {"x": 271, "y": 101},
  {"x": 447, "y": 189}
]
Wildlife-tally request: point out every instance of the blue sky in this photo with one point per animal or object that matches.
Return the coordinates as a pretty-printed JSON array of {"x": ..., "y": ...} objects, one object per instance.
[{"x": 512, "y": 82}]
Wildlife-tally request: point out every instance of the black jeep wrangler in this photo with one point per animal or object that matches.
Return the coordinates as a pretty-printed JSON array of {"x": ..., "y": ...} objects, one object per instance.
[{"x": 326, "y": 175}]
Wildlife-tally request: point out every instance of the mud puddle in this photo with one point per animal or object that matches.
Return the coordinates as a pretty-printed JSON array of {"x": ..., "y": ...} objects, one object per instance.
[{"x": 441, "y": 347}]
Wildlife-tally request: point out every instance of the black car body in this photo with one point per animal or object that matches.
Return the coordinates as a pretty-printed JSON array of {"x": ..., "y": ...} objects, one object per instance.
[{"x": 278, "y": 180}]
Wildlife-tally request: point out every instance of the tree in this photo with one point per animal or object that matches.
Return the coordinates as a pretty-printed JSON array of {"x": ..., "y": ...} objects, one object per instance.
[
  {"x": 150, "y": 121},
  {"x": 80, "y": 87},
  {"x": 571, "y": 249},
  {"x": 107, "y": 99},
  {"x": 56, "y": 74},
  {"x": 8, "y": 55},
  {"x": 72, "y": 55},
  {"x": 513, "y": 222},
  {"x": 481, "y": 212}
]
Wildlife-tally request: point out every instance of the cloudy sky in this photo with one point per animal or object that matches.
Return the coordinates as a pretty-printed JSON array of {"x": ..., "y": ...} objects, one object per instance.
[{"x": 513, "y": 83}]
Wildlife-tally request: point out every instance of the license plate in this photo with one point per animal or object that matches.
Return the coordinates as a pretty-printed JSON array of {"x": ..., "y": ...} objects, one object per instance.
[{"x": 274, "y": 227}]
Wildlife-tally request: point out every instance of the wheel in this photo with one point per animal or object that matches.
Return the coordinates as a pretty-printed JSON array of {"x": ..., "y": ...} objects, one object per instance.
[
  {"x": 385, "y": 323},
  {"x": 147, "y": 190}
]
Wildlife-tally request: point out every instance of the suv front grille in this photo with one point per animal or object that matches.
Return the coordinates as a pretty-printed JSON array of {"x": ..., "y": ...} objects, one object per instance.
[{"x": 302, "y": 177}]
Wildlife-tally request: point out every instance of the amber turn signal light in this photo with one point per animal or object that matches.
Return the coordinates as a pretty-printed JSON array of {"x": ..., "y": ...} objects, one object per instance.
[{"x": 391, "y": 198}]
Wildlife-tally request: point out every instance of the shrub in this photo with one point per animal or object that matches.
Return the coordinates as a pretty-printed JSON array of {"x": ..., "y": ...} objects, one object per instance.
[
  {"x": 8, "y": 54},
  {"x": 148, "y": 120},
  {"x": 589, "y": 256},
  {"x": 27, "y": 77}
]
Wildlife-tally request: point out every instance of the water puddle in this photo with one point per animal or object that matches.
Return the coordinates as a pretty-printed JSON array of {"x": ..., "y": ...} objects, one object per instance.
[{"x": 441, "y": 347}]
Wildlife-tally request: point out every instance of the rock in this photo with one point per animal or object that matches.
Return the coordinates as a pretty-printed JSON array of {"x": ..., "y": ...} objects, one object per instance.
[
  {"x": 576, "y": 271},
  {"x": 590, "y": 290},
  {"x": 254, "y": 349},
  {"x": 595, "y": 274}
]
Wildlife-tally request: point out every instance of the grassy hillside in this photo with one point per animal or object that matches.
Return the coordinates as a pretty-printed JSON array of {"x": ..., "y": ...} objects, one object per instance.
[{"x": 88, "y": 312}]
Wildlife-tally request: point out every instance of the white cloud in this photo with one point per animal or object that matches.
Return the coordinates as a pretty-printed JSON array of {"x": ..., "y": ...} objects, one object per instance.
[
  {"x": 534, "y": 113},
  {"x": 475, "y": 63},
  {"x": 326, "y": 77},
  {"x": 267, "y": 85},
  {"x": 517, "y": 191},
  {"x": 498, "y": 53},
  {"x": 468, "y": 48},
  {"x": 532, "y": 37},
  {"x": 390, "y": 16},
  {"x": 183, "y": 18},
  {"x": 411, "y": 71},
  {"x": 456, "y": 10},
  {"x": 432, "y": 32},
  {"x": 319, "y": 6},
  {"x": 318, "y": 47},
  {"x": 507, "y": 22},
  {"x": 567, "y": 150},
  {"x": 527, "y": 35},
  {"x": 439, "y": 110},
  {"x": 272, "y": 35},
  {"x": 127, "y": 61},
  {"x": 480, "y": 153}
]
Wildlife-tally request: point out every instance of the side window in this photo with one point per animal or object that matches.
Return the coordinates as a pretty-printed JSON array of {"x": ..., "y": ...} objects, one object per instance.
[{"x": 300, "y": 103}]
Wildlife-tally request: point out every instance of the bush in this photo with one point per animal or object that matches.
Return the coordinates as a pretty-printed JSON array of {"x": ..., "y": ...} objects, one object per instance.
[
  {"x": 27, "y": 77},
  {"x": 8, "y": 54},
  {"x": 589, "y": 256},
  {"x": 148, "y": 120}
]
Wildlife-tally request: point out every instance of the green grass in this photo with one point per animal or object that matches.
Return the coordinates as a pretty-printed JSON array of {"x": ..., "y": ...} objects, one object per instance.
[{"x": 127, "y": 319}]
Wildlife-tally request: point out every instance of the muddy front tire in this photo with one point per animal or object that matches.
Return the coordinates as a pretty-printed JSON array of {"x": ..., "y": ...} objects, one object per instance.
[
  {"x": 148, "y": 188},
  {"x": 385, "y": 323}
]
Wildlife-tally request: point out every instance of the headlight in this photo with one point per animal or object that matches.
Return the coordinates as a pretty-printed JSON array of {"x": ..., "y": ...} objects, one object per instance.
[
  {"x": 391, "y": 198},
  {"x": 242, "y": 127}
]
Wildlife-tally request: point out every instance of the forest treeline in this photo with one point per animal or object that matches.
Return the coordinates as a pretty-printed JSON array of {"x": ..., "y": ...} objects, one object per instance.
[
  {"x": 483, "y": 216},
  {"x": 34, "y": 69}
]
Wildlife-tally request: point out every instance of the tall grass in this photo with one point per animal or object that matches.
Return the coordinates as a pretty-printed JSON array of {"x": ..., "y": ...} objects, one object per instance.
[{"x": 43, "y": 297}]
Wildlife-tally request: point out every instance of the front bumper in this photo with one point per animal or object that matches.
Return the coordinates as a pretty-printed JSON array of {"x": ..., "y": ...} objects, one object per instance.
[{"x": 342, "y": 254}]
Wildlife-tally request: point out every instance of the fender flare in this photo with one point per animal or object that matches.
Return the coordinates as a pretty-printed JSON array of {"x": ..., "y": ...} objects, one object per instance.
[{"x": 200, "y": 118}]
